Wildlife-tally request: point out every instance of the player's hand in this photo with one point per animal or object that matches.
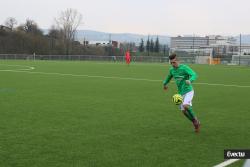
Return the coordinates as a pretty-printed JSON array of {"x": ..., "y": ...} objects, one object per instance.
[
  {"x": 165, "y": 87},
  {"x": 188, "y": 82}
]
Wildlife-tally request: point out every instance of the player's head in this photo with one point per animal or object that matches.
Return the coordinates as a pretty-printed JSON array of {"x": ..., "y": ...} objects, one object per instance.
[{"x": 173, "y": 60}]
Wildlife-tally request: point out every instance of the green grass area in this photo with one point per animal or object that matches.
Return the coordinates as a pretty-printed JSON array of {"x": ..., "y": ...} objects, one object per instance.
[{"x": 64, "y": 113}]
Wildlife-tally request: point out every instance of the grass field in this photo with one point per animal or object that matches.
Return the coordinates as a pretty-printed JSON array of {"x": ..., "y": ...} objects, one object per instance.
[{"x": 93, "y": 114}]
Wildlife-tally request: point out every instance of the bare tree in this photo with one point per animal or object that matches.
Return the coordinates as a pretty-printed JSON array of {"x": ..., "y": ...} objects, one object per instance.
[
  {"x": 10, "y": 22},
  {"x": 68, "y": 22},
  {"x": 31, "y": 26}
]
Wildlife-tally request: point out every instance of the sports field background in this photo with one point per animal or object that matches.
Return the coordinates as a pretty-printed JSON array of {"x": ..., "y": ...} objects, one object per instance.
[{"x": 99, "y": 114}]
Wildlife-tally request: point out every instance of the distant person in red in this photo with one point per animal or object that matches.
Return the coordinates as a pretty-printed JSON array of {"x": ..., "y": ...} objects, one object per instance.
[{"x": 127, "y": 57}]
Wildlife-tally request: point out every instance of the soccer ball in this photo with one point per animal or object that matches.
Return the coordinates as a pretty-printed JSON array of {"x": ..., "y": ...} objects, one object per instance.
[{"x": 177, "y": 99}]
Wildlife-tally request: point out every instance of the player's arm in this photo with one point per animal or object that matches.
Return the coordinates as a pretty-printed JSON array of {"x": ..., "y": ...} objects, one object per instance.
[
  {"x": 192, "y": 75},
  {"x": 167, "y": 80}
]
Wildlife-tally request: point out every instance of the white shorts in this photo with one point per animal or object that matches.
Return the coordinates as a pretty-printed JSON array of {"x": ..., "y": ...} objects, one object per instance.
[{"x": 187, "y": 99}]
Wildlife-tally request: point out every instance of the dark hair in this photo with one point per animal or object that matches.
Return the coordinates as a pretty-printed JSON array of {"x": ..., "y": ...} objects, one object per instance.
[{"x": 172, "y": 56}]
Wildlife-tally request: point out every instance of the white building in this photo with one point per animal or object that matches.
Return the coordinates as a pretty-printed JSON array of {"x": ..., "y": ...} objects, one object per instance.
[
  {"x": 220, "y": 45},
  {"x": 245, "y": 48},
  {"x": 195, "y": 42},
  {"x": 221, "y": 40},
  {"x": 188, "y": 42},
  {"x": 101, "y": 43}
]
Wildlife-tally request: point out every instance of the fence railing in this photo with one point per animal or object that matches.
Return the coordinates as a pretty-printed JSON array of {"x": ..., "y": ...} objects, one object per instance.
[
  {"x": 82, "y": 58},
  {"x": 190, "y": 59}
]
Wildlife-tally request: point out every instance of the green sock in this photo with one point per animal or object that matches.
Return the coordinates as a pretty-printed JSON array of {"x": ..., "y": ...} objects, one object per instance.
[
  {"x": 188, "y": 116},
  {"x": 191, "y": 113}
]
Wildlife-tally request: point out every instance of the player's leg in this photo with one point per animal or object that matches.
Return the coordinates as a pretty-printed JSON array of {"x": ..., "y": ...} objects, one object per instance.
[
  {"x": 187, "y": 115},
  {"x": 188, "y": 110},
  {"x": 192, "y": 117},
  {"x": 186, "y": 105},
  {"x": 127, "y": 62}
]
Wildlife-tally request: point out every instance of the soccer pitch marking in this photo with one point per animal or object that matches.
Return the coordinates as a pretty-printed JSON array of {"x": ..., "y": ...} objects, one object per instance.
[
  {"x": 21, "y": 66},
  {"x": 27, "y": 70},
  {"x": 227, "y": 162}
]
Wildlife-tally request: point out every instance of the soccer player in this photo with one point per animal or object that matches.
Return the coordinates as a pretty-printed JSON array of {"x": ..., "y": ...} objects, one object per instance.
[
  {"x": 127, "y": 57},
  {"x": 183, "y": 76}
]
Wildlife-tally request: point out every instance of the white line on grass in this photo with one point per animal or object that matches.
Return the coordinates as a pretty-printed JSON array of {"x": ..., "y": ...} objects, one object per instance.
[
  {"x": 25, "y": 67},
  {"x": 211, "y": 84},
  {"x": 247, "y": 163},
  {"x": 83, "y": 75},
  {"x": 227, "y": 162},
  {"x": 121, "y": 78}
]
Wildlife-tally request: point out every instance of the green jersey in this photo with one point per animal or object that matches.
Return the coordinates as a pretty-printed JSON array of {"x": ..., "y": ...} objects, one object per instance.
[{"x": 180, "y": 75}]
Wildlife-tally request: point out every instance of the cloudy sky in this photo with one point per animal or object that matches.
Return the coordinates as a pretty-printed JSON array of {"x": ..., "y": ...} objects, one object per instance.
[{"x": 162, "y": 17}]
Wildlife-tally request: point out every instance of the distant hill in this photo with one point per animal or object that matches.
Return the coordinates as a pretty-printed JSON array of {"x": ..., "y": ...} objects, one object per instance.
[
  {"x": 129, "y": 37},
  {"x": 90, "y": 35}
]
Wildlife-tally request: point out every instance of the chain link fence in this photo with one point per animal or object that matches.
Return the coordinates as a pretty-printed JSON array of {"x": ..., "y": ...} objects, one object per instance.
[
  {"x": 153, "y": 59},
  {"x": 184, "y": 58}
]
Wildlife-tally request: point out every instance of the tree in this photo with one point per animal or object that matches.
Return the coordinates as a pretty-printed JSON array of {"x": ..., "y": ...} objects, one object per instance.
[
  {"x": 164, "y": 50},
  {"x": 54, "y": 33},
  {"x": 148, "y": 45},
  {"x": 151, "y": 45},
  {"x": 30, "y": 27},
  {"x": 10, "y": 22},
  {"x": 141, "y": 47},
  {"x": 68, "y": 22},
  {"x": 55, "y": 40},
  {"x": 157, "y": 45}
]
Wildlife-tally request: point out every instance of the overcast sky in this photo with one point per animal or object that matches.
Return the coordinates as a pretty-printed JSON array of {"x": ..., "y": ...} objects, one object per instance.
[{"x": 162, "y": 17}]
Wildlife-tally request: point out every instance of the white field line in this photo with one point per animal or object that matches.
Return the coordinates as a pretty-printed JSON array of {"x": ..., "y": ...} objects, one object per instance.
[
  {"x": 226, "y": 163},
  {"x": 211, "y": 84},
  {"x": 83, "y": 75},
  {"x": 21, "y": 66},
  {"x": 247, "y": 163},
  {"x": 120, "y": 78}
]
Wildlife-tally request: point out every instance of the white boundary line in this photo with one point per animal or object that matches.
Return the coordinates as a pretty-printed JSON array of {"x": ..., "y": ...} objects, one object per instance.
[
  {"x": 210, "y": 84},
  {"x": 227, "y": 162},
  {"x": 121, "y": 78},
  {"x": 83, "y": 75},
  {"x": 247, "y": 163},
  {"x": 26, "y": 67}
]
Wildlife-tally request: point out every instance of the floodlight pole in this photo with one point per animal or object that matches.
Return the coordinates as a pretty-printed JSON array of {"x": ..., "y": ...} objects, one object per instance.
[
  {"x": 34, "y": 56},
  {"x": 240, "y": 49},
  {"x": 148, "y": 46},
  {"x": 110, "y": 45}
]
